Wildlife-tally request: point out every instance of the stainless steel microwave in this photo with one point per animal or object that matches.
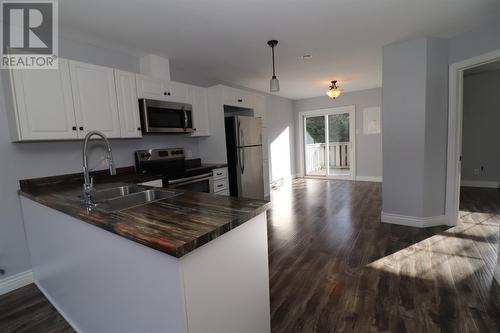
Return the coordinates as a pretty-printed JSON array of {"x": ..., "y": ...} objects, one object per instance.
[{"x": 165, "y": 117}]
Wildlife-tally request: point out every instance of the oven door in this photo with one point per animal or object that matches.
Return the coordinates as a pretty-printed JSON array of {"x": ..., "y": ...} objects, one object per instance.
[
  {"x": 201, "y": 183},
  {"x": 165, "y": 117}
]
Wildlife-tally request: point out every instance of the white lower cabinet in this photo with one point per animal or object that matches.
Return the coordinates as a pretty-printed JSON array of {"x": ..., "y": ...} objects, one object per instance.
[
  {"x": 128, "y": 106},
  {"x": 40, "y": 104},
  {"x": 94, "y": 97},
  {"x": 221, "y": 181}
]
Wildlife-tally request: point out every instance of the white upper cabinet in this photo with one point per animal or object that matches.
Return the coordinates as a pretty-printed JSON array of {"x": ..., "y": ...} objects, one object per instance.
[
  {"x": 41, "y": 104},
  {"x": 198, "y": 97},
  {"x": 176, "y": 92},
  {"x": 94, "y": 96},
  {"x": 149, "y": 87},
  {"x": 237, "y": 97},
  {"x": 154, "y": 88},
  {"x": 128, "y": 105}
]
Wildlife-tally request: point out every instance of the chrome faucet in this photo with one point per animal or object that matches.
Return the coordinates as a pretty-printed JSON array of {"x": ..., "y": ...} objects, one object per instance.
[{"x": 88, "y": 186}]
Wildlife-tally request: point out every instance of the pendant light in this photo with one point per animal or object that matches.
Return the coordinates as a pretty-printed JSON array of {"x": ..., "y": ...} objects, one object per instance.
[
  {"x": 334, "y": 91},
  {"x": 274, "y": 84}
]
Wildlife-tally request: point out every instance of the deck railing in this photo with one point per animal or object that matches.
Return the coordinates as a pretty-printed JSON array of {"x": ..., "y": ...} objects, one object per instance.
[{"x": 316, "y": 156}]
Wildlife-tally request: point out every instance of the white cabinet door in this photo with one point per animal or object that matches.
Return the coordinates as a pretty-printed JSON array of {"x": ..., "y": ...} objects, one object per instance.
[
  {"x": 175, "y": 91},
  {"x": 150, "y": 87},
  {"x": 128, "y": 105},
  {"x": 198, "y": 97},
  {"x": 44, "y": 103},
  {"x": 94, "y": 95},
  {"x": 237, "y": 97}
]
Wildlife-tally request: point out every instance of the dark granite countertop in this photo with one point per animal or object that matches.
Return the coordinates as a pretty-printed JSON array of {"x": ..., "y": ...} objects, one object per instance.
[{"x": 176, "y": 225}]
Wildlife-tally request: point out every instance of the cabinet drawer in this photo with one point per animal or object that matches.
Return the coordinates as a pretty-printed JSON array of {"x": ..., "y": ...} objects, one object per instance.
[
  {"x": 220, "y": 185},
  {"x": 223, "y": 192},
  {"x": 219, "y": 173}
]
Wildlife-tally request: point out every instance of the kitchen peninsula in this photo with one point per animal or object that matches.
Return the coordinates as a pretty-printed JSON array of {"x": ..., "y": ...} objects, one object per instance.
[{"x": 192, "y": 262}]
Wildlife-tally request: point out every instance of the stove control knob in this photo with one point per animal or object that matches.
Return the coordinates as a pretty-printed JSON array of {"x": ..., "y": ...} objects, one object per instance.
[{"x": 146, "y": 155}]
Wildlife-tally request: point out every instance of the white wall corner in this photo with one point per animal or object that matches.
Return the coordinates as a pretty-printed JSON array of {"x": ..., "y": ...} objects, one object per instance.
[
  {"x": 413, "y": 221},
  {"x": 480, "y": 183},
  {"x": 368, "y": 179},
  {"x": 16, "y": 281},
  {"x": 496, "y": 273}
]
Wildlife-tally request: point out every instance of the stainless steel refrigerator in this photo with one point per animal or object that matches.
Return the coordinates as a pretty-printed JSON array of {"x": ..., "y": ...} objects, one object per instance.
[{"x": 244, "y": 156}]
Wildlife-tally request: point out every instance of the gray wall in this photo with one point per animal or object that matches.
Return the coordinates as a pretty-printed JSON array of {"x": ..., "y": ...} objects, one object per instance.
[
  {"x": 368, "y": 147},
  {"x": 280, "y": 123},
  {"x": 480, "y": 136},
  {"x": 403, "y": 119},
  {"x": 475, "y": 42},
  {"x": 27, "y": 160},
  {"x": 436, "y": 123}
]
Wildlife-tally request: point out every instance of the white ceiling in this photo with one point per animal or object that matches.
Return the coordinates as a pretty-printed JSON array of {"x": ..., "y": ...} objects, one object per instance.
[{"x": 226, "y": 39}]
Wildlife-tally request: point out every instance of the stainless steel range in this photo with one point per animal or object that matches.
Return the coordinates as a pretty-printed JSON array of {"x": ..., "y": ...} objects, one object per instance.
[{"x": 175, "y": 171}]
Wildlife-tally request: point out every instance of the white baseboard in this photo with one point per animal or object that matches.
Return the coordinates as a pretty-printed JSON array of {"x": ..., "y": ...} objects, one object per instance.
[
  {"x": 496, "y": 273},
  {"x": 480, "y": 183},
  {"x": 413, "y": 221},
  {"x": 16, "y": 281},
  {"x": 368, "y": 179}
]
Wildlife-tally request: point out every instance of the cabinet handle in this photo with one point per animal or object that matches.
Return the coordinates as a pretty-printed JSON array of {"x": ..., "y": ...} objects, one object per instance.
[
  {"x": 194, "y": 129},
  {"x": 219, "y": 173},
  {"x": 74, "y": 128},
  {"x": 138, "y": 128},
  {"x": 81, "y": 128},
  {"x": 166, "y": 93},
  {"x": 220, "y": 185},
  {"x": 240, "y": 100}
]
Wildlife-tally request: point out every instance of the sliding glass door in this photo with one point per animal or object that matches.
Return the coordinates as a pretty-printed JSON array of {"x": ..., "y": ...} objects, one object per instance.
[{"x": 328, "y": 143}]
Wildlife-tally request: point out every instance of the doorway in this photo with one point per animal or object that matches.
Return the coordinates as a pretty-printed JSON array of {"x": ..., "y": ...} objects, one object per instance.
[
  {"x": 328, "y": 143},
  {"x": 455, "y": 123}
]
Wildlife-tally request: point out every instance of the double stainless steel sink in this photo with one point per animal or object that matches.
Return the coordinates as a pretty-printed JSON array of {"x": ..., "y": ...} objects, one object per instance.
[{"x": 124, "y": 197}]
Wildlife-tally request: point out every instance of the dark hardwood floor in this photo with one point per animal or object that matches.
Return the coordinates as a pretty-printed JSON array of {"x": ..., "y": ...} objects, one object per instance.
[
  {"x": 334, "y": 267},
  {"x": 27, "y": 310}
]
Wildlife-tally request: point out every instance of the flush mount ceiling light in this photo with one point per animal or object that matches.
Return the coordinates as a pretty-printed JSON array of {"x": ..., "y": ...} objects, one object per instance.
[
  {"x": 334, "y": 91},
  {"x": 274, "y": 84}
]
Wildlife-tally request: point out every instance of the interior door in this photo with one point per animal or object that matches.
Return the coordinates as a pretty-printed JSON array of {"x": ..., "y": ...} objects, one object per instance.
[
  {"x": 249, "y": 131},
  {"x": 250, "y": 173},
  {"x": 45, "y": 103},
  {"x": 94, "y": 94}
]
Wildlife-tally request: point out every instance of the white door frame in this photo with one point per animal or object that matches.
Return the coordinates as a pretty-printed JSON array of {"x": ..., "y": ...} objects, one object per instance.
[
  {"x": 351, "y": 109},
  {"x": 455, "y": 114}
]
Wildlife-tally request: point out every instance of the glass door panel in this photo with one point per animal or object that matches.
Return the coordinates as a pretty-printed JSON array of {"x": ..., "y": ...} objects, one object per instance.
[
  {"x": 315, "y": 144},
  {"x": 339, "y": 145}
]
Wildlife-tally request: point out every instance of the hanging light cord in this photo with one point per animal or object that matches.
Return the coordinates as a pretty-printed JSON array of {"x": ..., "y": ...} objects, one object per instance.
[{"x": 274, "y": 72}]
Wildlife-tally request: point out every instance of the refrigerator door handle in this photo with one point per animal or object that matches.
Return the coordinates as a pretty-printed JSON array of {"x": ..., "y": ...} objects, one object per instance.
[
  {"x": 241, "y": 138},
  {"x": 241, "y": 157}
]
